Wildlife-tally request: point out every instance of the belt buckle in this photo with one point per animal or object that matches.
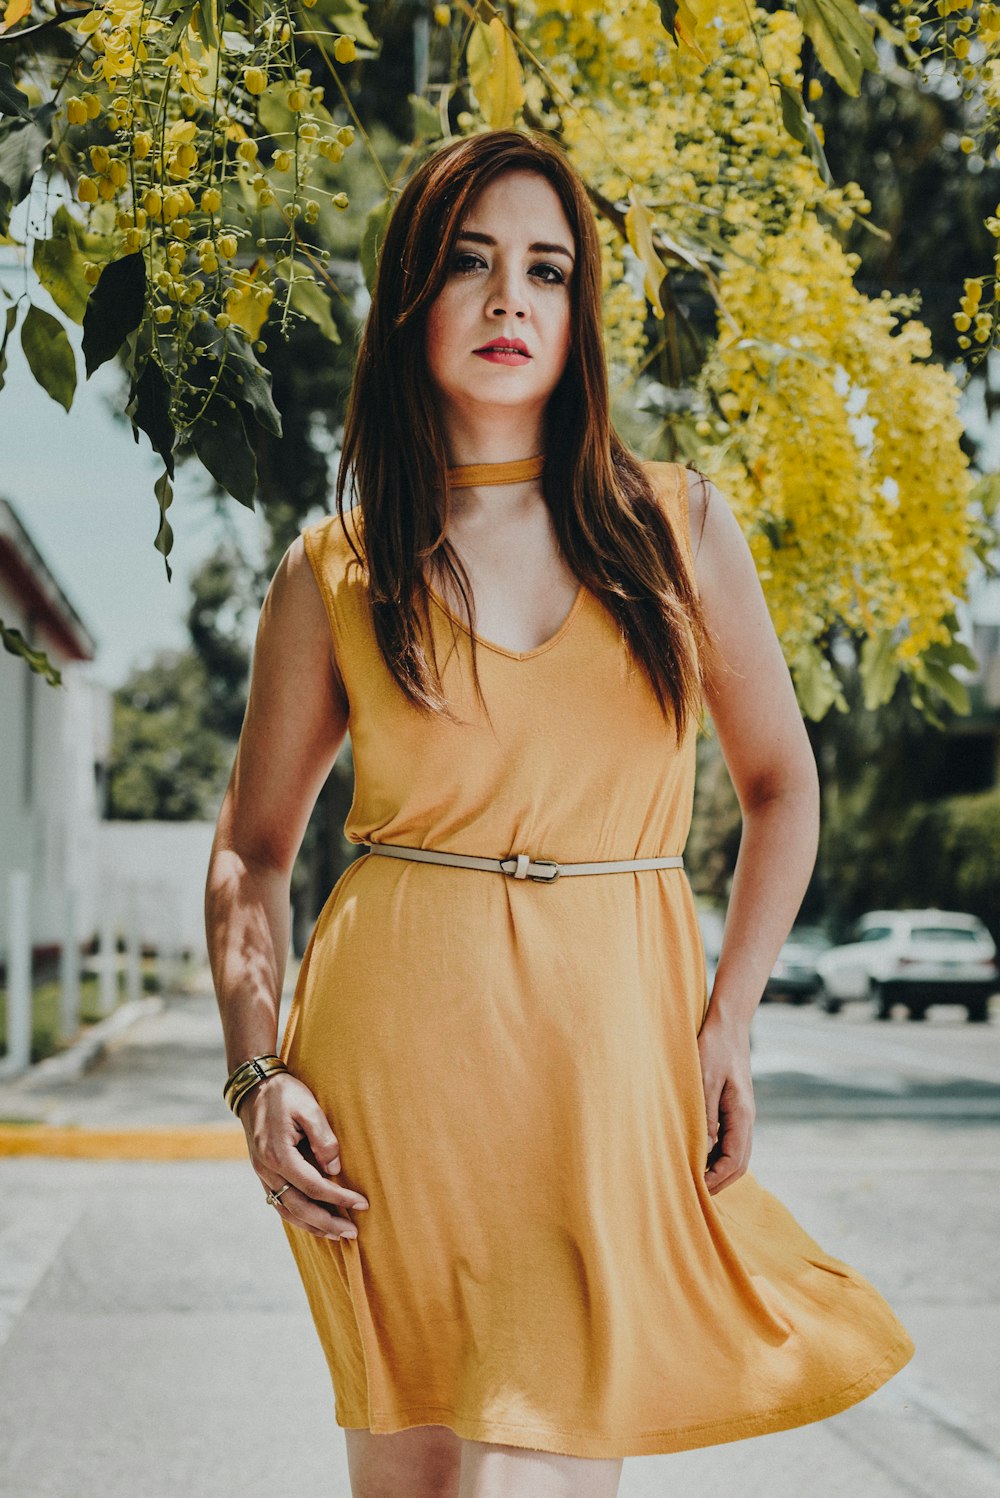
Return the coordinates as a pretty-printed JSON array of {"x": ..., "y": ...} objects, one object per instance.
[{"x": 519, "y": 859}]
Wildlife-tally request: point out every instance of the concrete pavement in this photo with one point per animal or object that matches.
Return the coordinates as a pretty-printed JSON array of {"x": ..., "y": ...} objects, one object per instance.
[{"x": 155, "y": 1340}]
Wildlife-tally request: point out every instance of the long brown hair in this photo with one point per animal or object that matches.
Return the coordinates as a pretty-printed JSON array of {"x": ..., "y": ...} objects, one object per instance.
[{"x": 610, "y": 527}]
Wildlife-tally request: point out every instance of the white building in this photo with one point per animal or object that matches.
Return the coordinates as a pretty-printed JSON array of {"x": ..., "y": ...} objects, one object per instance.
[{"x": 54, "y": 745}]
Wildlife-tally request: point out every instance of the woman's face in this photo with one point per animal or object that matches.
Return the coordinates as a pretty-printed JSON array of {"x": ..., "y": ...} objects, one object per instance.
[{"x": 509, "y": 278}]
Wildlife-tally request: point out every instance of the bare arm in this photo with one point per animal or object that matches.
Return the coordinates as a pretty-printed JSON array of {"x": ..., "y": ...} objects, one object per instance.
[
  {"x": 295, "y": 723},
  {"x": 770, "y": 762}
]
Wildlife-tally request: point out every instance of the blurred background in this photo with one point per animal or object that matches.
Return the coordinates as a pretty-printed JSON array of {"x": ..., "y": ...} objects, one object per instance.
[{"x": 875, "y": 1048}]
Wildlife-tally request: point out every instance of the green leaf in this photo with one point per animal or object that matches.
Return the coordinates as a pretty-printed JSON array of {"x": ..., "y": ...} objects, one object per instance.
[
  {"x": 14, "y": 641},
  {"x": 986, "y": 493},
  {"x": 843, "y": 40},
  {"x": 164, "y": 536},
  {"x": 496, "y": 78},
  {"x": 248, "y": 381},
  {"x": 800, "y": 127},
  {"x": 639, "y": 231},
  {"x": 955, "y": 653},
  {"x": 426, "y": 119},
  {"x": 148, "y": 410},
  {"x": 58, "y": 262},
  {"x": 22, "y": 143},
  {"x": 879, "y": 669},
  {"x": 774, "y": 527},
  {"x": 668, "y": 15},
  {"x": 115, "y": 307},
  {"x": 206, "y": 19},
  {"x": 816, "y": 685},
  {"x": 225, "y": 450},
  {"x": 372, "y": 236},
  {"x": 312, "y": 301},
  {"x": 954, "y": 692},
  {"x": 11, "y": 320},
  {"x": 774, "y": 353},
  {"x": 12, "y": 101},
  {"x": 49, "y": 354},
  {"x": 347, "y": 16}
]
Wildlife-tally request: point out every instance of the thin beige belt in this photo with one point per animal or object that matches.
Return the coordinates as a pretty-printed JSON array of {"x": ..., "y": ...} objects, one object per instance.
[{"x": 522, "y": 865}]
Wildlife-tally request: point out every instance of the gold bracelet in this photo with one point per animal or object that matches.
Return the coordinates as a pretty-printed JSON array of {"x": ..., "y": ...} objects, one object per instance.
[{"x": 246, "y": 1076}]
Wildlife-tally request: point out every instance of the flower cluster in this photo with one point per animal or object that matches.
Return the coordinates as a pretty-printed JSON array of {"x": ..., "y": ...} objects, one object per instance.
[
  {"x": 801, "y": 362},
  {"x": 955, "y": 44},
  {"x": 207, "y": 152}
]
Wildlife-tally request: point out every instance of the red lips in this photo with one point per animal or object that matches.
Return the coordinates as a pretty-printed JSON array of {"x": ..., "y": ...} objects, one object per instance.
[{"x": 508, "y": 343}]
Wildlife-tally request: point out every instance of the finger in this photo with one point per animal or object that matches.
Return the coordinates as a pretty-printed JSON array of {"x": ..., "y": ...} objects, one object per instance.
[
  {"x": 713, "y": 1096},
  {"x": 289, "y": 1163},
  {"x": 734, "y": 1154},
  {"x": 322, "y": 1140},
  {"x": 302, "y": 1212}
]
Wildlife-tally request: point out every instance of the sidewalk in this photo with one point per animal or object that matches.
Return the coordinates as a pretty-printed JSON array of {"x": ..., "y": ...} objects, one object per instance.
[{"x": 155, "y": 1340}]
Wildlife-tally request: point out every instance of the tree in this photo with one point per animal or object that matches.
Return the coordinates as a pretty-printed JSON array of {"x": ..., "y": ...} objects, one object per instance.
[
  {"x": 167, "y": 763},
  {"x": 203, "y": 132}
]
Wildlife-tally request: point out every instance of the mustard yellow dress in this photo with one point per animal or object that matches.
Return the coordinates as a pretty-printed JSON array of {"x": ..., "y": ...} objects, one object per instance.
[{"x": 511, "y": 1069}]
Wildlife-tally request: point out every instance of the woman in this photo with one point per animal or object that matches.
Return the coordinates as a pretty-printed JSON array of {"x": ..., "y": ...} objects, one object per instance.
[{"x": 509, "y": 1144}]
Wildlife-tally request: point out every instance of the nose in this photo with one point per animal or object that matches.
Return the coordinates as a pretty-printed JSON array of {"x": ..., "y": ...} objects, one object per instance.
[{"x": 508, "y": 295}]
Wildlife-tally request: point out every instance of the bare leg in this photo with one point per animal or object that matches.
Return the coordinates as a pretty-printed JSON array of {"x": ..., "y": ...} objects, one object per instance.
[
  {"x": 494, "y": 1471},
  {"x": 422, "y": 1462}
]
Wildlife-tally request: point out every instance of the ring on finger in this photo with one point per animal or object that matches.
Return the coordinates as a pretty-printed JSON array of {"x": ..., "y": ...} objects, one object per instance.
[{"x": 273, "y": 1197}]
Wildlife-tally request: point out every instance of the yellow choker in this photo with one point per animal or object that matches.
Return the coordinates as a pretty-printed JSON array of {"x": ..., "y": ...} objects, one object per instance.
[{"x": 465, "y": 475}]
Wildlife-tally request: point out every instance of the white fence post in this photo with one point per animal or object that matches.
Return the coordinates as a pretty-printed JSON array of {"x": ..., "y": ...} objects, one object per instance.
[
  {"x": 133, "y": 947},
  {"x": 19, "y": 994},
  {"x": 69, "y": 967},
  {"x": 107, "y": 976}
]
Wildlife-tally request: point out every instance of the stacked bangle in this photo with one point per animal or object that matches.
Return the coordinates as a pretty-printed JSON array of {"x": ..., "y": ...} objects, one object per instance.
[{"x": 245, "y": 1076}]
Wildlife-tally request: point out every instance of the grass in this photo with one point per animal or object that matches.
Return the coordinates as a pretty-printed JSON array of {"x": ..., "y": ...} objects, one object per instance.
[{"x": 45, "y": 1040}]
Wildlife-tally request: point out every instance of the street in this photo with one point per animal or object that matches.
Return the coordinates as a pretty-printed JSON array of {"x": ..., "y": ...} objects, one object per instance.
[{"x": 155, "y": 1340}]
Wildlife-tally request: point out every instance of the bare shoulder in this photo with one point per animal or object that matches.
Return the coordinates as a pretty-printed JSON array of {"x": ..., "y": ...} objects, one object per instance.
[
  {"x": 724, "y": 565},
  {"x": 294, "y": 616}
]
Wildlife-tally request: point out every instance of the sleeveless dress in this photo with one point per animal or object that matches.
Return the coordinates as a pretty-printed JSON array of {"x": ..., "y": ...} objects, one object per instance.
[{"x": 511, "y": 1069}]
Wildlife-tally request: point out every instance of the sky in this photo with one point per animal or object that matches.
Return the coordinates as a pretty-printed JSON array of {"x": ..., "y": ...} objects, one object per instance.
[{"x": 83, "y": 490}]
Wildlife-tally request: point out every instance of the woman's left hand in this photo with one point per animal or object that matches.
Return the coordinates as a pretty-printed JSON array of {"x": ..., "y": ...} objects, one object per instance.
[{"x": 730, "y": 1109}]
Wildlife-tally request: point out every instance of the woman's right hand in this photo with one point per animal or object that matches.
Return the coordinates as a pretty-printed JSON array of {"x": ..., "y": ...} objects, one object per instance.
[{"x": 290, "y": 1140}]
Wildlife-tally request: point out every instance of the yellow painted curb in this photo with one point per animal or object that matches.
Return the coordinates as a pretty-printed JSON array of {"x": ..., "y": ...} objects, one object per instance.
[{"x": 209, "y": 1142}]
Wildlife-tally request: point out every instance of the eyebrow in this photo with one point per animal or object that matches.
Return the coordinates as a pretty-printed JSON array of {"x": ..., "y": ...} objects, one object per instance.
[{"x": 539, "y": 246}]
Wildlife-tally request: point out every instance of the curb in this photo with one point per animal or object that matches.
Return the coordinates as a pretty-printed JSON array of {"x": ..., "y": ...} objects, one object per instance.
[
  {"x": 75, "y": 1060},
  {"x": 168, "y": 1142}
]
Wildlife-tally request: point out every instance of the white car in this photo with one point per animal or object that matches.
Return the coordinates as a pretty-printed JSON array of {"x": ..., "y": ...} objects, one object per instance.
[{"x": 914, "y": 957}]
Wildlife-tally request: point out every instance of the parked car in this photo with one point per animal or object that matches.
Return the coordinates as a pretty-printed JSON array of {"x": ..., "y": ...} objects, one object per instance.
[
  {"x": 794, "y": 976},
  {"x": 915, "y": 957}
]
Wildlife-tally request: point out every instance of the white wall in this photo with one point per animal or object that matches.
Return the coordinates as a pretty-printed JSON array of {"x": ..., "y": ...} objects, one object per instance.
[
  {"x": 49, "y": 809},
  {"x": 163, "y": 865}
]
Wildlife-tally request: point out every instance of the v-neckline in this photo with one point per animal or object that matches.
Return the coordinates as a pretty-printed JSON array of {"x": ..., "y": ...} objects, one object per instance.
[{"x": 515, "y": 655}]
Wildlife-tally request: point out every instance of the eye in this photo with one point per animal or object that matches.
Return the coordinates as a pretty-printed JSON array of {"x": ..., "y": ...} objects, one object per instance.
[{"x": 462, "y": 267}]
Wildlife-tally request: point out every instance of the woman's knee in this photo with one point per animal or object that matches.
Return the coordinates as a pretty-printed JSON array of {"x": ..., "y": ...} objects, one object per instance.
[
  {"x": 497, "y": 1471},
  {"x": 421, "y": 1462}
]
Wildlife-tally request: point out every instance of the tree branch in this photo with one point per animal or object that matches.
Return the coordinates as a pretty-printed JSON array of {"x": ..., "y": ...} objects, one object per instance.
[{"x": 8, "y": 38}]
